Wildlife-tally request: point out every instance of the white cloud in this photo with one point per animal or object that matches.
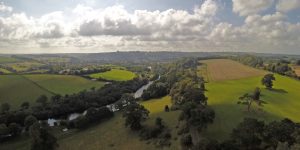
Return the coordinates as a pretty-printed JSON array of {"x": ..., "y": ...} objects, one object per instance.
[
  {"x": 86, "y": 29},
  {"x": 287, "y": 5},
  {"x": 4, "y": 8},
  {"x": 250, "y": 7}
]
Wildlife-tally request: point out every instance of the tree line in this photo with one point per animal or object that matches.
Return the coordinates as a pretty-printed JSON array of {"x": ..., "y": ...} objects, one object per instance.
[{"x": 12, "y": 122}]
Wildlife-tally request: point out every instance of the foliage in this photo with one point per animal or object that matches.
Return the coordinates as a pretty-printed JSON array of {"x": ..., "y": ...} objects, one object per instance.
[
  {"x": 155, "y": 90},
  {"x": 98, "y": 114},
  {"x": 186, "y": 141},
  {"x": 267, "y": 80},
  {"x": 247, "y": 98},
  {"x": 4, "y": 107},
  {"x": 41, "y": 138},
  {"x": 29, "y": 120},
  {"x": 254, "y": 134},
  {"x": 134, "y": 114}
]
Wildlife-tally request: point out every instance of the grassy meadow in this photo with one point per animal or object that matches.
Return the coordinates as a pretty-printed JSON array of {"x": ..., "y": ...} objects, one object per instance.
[
  {"x": 227, "y": 81},
  {"x": 4, "y": 71},
  {"x": 63, "y": 84},
  {"x": 111, "y": 134},
  {"x": 24, "y": 66},
  {"x": 223, "y": 96},
  {"x": 16, "y": 89},
  {"x": 114, "y": 74},
  {"x": 8, "y": 59}
]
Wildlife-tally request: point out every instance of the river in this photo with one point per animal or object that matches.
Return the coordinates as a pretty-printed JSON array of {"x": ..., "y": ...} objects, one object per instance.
[{"x": 51, "y": 121}]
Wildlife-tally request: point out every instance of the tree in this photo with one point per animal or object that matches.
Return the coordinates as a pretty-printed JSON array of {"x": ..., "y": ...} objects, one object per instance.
[
  {"x": 167, "y": 109},
  {"x": 279, "y": 132},
  {"x": 125, "y": 100},
  {"x": 14, "y": 128},
  {"x": 5, "y": 107},
  {"x": 41, "y": 138},
  {"x": 56, "y": 98},
  {"x": 248, "y": 134},
  {"x": 159, "y": 123},
  {"x": 4, "y": 130},
  {"x": 267, "y": 80},
  {"x": 29, "y": 120},
  {"x": 81, "y": 122},
  {"x": 186, "y": 141},
  {"x": 98, "y": 114},
  {"x": 134, "y": 114},
  {"x": 201, "y": 117},
  {"x": 298, "y": 62},
  {"x": 206, "y": 144},
  {"x": 25, "y": 105},
  {"x": 42, "y": 100},
  {"x": 248, "y": 99}
]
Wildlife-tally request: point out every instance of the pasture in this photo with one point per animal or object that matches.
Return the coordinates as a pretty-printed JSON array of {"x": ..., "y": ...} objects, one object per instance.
[
  {"x": 4, "y": 71},
  {"x": 16, "y": 89},
  {"x": 223, "y": 96},
  {"x": 24, "y": 66},
  {"x": 63, "y": 84},
  {"x": 225, "y": 69},
  {"x": 114, "y": 135},
  {"x": 110, "y": 134},
  {"x": 4, "y": 59},
  {"x": 115, "y": 74}
]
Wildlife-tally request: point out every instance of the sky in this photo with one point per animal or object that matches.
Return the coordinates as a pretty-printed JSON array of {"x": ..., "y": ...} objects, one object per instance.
[{"x": 85, "y": 26}]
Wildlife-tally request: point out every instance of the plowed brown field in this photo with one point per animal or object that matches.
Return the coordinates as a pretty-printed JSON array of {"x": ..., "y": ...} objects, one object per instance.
[{"x": 225, "y": 69}]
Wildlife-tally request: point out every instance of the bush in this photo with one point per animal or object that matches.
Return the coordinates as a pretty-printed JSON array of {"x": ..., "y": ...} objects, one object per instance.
[{"x": 81, "y": 122}]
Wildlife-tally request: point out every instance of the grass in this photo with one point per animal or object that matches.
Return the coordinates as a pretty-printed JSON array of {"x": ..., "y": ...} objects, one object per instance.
[
  {"x": 4, "y": 71},
  {"x": 63, "y": 84},
  {"x": 8, "y": 59},
  {"x": 115, "y": 74},
  {"x": 16, "y": 89},
  {"x": 24, "y": 66},
  {"x": 282, "y": 102},
  {"x": 110, "y": 134},
  {"x": 202, "y": 71},
  {"x": 224, "y": 69}
]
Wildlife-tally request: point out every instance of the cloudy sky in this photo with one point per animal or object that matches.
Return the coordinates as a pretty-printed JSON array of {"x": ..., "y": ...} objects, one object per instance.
[{"x": 56, "y": 26}]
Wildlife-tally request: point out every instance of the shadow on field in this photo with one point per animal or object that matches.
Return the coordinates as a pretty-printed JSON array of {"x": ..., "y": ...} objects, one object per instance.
[
  {"x": 228, "y": 116},
  {"x": 278, "y": 90}
]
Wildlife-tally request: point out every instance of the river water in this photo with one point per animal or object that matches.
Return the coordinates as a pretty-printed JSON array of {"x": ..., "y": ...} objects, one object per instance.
[{"x": 51, "y": 121}]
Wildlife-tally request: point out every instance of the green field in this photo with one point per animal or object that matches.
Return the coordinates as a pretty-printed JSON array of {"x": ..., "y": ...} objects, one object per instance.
[
  {"x": 16, "y": 89},
  {"x": 282, "y": 102},
  {"x": 110, "y": 134},
  {"x": 63, "y": 84},
  {"x": 24, "y": 66},
  {"x": 114, "y": 74},
  {"x": 8, "y": 59},
  {"x": 4, "y": 71}
]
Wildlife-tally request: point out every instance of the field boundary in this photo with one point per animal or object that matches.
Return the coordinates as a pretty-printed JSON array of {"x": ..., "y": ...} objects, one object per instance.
[{"x": 41, "y": 87}]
